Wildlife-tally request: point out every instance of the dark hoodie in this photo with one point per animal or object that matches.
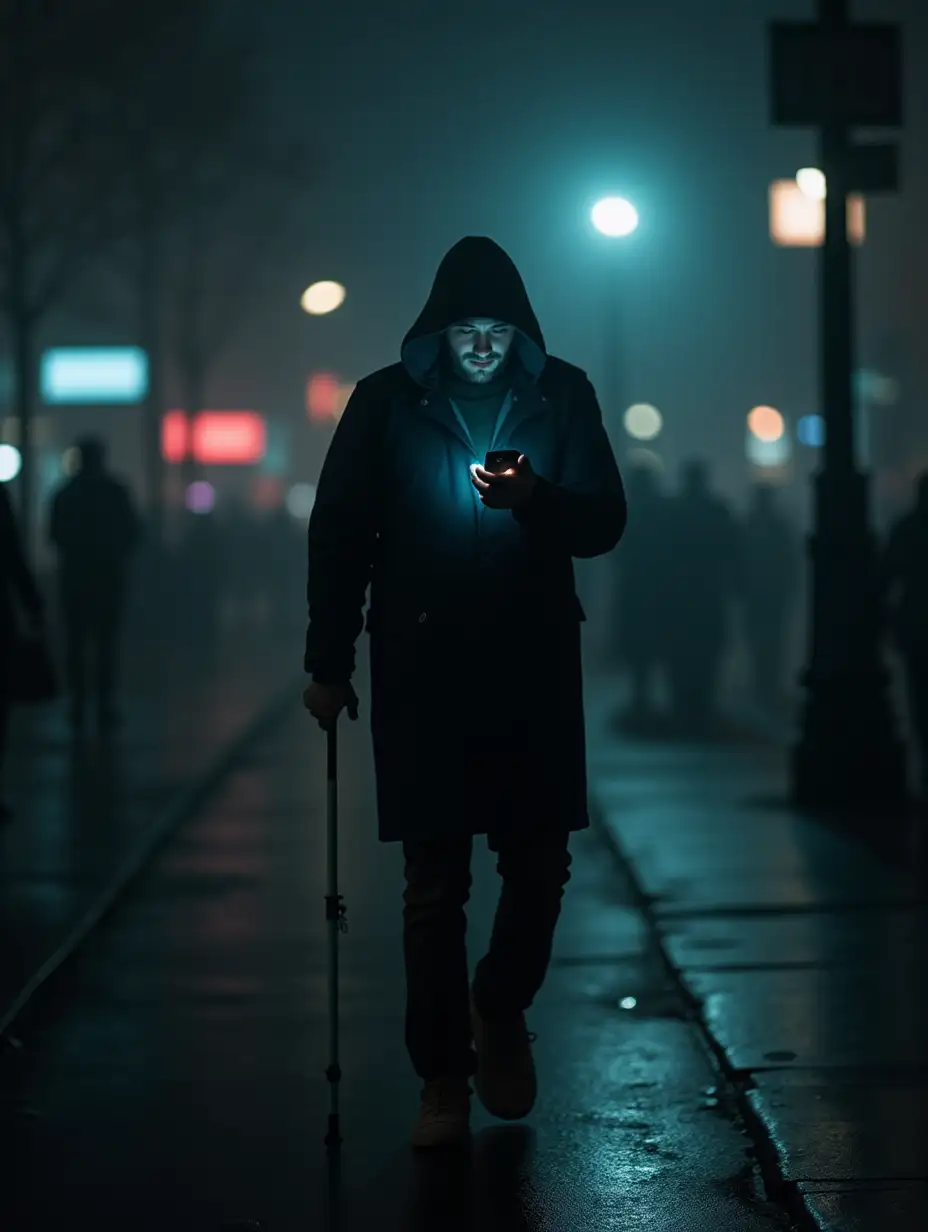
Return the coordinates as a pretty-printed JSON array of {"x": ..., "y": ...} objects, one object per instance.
[
  {"x": 475, "y": 276},
  {"x": 396, "y": 508},
  {"x": 475, "y": 279}
]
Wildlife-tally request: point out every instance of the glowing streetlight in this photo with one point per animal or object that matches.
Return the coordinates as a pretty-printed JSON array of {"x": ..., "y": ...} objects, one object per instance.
[
  {"x": 766, "y": 423},
  {"x": 614, "y": 216},
  {"x": 643, "y": 421},
  {"x": 811, "y": 183},
  {"x": 322, "y": 298},
  {"x": 10, "y": 463}
]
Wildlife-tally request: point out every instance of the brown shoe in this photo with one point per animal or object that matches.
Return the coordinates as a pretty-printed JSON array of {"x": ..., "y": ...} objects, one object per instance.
[
  {"x": 444, "y": 1118},
  {"x": 505, "y": 1081}
]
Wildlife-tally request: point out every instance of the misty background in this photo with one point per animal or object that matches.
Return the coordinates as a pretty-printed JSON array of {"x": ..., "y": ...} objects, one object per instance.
[{"x": 414, "y": 124}]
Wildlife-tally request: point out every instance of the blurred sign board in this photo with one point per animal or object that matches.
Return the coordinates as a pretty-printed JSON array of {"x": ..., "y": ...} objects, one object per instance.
[
  {"x": 851, "y": 75},
  {"x": 214, "y": 438},
  {"x": 81, "y": 376},
  {"x": 798, "y": 221}
]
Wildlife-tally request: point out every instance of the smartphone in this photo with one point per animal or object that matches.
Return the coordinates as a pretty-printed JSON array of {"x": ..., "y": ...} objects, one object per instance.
[{"x": 502, "y": 461}]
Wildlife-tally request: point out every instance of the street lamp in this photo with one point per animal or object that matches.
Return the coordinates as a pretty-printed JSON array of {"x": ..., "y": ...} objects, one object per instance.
[
  {"x": 322, "y": 298},
  {"x": 615, "y": 218},
  {"x": 811, "y": 183}
]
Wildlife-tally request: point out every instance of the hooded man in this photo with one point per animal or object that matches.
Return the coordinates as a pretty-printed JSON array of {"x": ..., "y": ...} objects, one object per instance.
[{"x": 474, "y": 623}]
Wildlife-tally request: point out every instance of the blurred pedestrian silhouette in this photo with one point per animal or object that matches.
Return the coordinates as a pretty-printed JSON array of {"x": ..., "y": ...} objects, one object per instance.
[
  {"x": 95, "y": 527},
  {"x": 704, "y": 579},
  {"x": 643, "y": 616},
  {"x": 770, "y": 563},
  {"x": 20, "y": 600},
  {"x": 905, "y": 581}
]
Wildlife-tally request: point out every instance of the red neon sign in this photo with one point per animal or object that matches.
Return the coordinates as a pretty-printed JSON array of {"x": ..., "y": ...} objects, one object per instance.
[
  {"x": 174, "y": 436},
  {"x": 214, "y": 438}
]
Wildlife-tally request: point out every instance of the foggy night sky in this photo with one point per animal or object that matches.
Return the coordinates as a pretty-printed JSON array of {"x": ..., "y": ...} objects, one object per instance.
[{"x": 434, "y": 121}]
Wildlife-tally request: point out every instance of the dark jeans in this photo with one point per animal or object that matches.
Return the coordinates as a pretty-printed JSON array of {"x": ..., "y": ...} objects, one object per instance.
[{"x": 534, "y": 870}]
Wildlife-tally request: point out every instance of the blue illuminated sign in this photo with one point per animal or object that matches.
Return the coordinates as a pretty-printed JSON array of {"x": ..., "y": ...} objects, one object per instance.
[
  {"x": 81, "y": 375},
  {"x": 811, "y": 431}
]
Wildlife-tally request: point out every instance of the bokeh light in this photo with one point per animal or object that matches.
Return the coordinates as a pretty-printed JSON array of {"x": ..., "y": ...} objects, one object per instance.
[
  {"x": 812, "y": 183},
  {"x": 266, "y": 492},
  {"x": 797, "y": 220},
  {"x": 322, "y": 297},
  {"x": 643, "y": 421},
  {"x": 327, "y": 396},
  {"x": 614, "y": 216},
  {"x": 200, "y": 497},
  {"x": 646, "y": 459},
  {"x": 300, "y": 500},
  {"x": 769, "y": 453},
  {"x": 766, "y": 423},
  {"x": 322, "y": 395},
  {"x": 811, "y": 431},
  {"x": 10, "y": 463}
]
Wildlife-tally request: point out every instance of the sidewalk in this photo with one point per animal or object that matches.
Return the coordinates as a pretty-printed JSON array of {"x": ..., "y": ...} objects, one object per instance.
[
  {"x": 82, "y": 809},
  {"x": 179, "y": 1082},
  {"x": 804, "y": 955}
]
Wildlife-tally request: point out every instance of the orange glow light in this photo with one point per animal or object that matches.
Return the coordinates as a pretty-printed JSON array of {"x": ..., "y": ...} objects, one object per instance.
[
  {"x": 798, "y": 221},
  {"x": 766, "y": 423}
]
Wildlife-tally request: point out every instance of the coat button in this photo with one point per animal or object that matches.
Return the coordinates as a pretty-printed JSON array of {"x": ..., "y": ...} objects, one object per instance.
[
  {"x": 423, "y": 618},
  {"x": 424, "y": 402}
]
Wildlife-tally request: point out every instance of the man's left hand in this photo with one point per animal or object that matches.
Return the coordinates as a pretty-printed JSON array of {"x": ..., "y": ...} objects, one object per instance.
[{"x": 509, "y": 491}]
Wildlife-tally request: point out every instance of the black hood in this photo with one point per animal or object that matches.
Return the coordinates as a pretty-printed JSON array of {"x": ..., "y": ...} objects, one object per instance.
[{"x": 476, "y": 278}]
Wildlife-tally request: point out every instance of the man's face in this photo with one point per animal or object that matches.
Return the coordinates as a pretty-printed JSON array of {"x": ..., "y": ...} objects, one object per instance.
[{"x": 479, "y": 347}]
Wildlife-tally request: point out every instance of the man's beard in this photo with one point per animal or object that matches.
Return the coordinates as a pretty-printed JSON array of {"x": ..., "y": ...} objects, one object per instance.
[{"x": 479, "y": 376}]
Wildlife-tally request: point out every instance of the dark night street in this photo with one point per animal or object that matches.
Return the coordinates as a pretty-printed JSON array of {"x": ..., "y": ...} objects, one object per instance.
[
  {"x": 178, "y": 1083},
  {"x": 172, "y": 1075},
  {"x": 456, "y": 451}
]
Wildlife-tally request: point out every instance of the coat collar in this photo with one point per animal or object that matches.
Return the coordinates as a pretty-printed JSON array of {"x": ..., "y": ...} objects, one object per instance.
[{"x": 527, "y": 401}]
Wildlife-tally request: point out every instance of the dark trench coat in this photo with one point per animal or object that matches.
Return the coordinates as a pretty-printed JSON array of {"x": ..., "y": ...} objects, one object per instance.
[{"x": 474, "y": 622}]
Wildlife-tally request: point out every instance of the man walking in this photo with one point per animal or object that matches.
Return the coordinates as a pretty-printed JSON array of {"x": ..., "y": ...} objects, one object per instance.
[
  {"x": 94, "y": 527},
  {"x": 474, "y": 623}
]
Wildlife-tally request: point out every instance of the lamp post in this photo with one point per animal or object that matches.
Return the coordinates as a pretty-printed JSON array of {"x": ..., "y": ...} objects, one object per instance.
[
  {"x": 835, "y": 76},
  {"x": 615, "y": 218}
]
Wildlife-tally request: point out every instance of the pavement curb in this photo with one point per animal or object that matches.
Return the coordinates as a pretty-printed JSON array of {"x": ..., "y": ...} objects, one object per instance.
[
  {"x": 781, "y": 1191},
  {"x": 157, "y": 833}
]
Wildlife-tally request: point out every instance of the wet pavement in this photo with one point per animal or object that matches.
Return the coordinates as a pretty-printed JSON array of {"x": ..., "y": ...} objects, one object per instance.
[
  {"x": 173, "y": 1075},
  {"x": 804, "y": 955},
  {"x": 83, "y": 809}
]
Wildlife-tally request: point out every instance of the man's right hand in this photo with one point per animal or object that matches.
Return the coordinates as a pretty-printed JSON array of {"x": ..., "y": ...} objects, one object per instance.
[{"x": 325, "y": 702}]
